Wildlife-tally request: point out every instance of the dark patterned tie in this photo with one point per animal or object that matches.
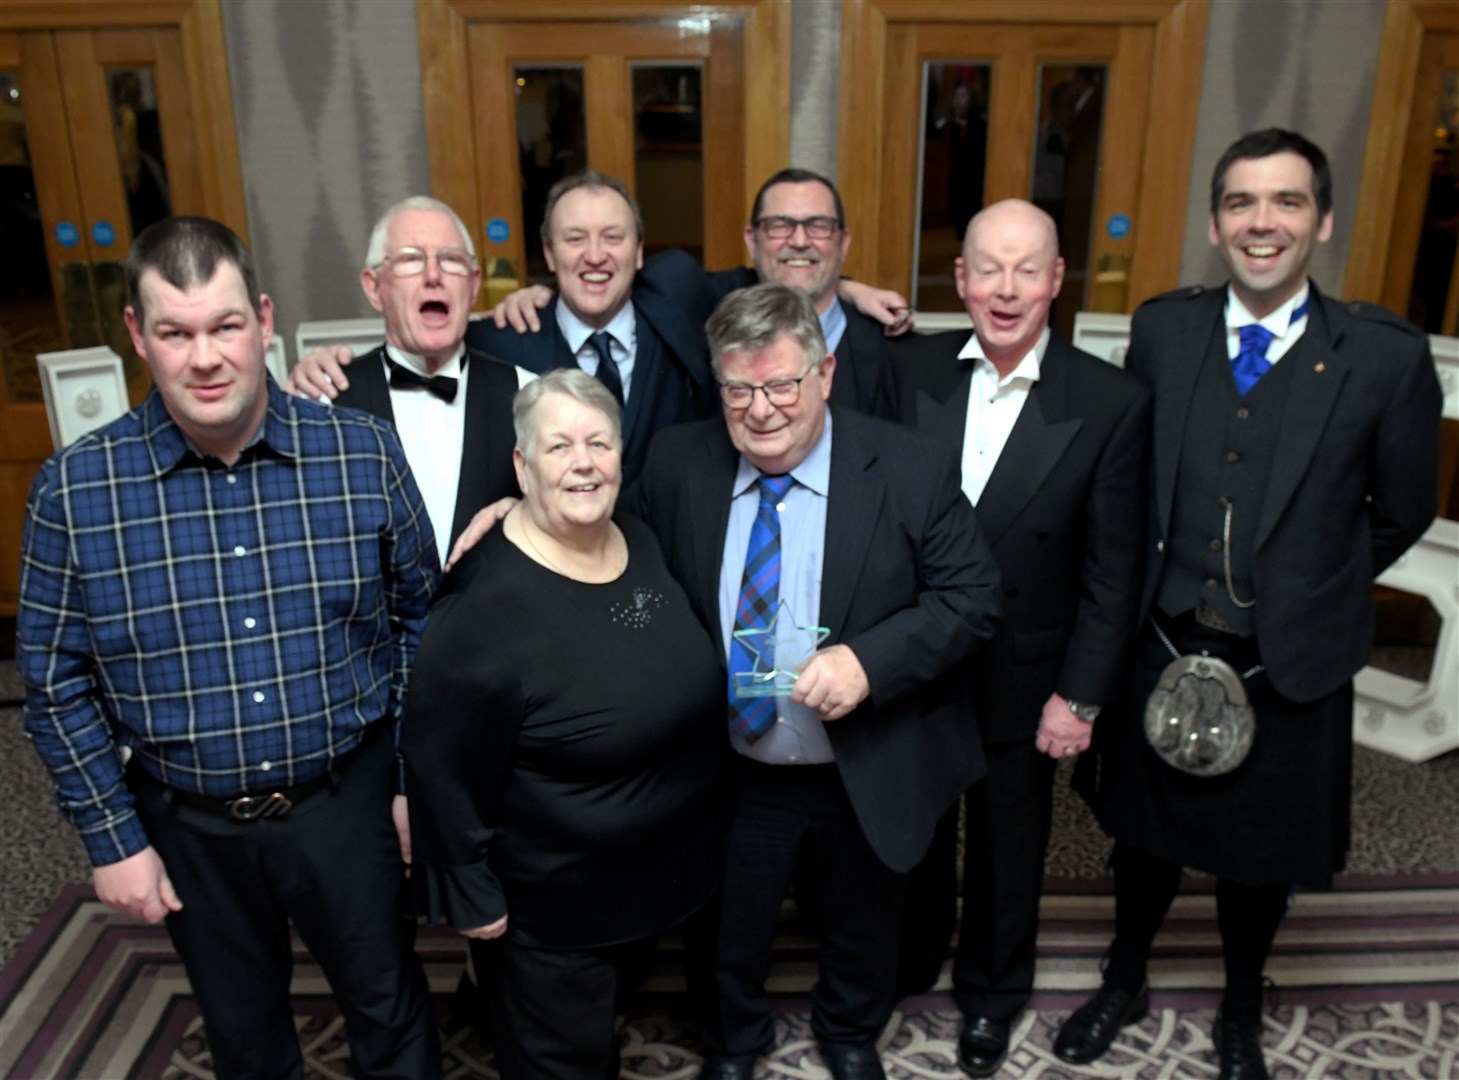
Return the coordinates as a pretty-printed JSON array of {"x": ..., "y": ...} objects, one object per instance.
[
  {"x": 404, "y": 378},
  {"x": 759, "y": 594},
  {"x": 1251, "y": 362},
  {"x": 607, "y": 367}
]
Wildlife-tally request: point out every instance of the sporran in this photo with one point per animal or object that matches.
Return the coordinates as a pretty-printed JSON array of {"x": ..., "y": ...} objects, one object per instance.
[{"x": 1199, "y": 719}]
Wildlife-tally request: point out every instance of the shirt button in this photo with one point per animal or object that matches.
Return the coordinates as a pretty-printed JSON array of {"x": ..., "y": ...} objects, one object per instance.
[
  {"x": 1215, "y": 545},
  {"x": 250, "y": 622},
  {"x": 1233, "y": 457},
  {"x": 792, "y": 758},
  {"x": 780, "y": 508},
  {"x": 1243, "y": 414},
  {"x": 780, "y": 719},
  {"x": 240, "y": 551},
  {"x": 258, "y": 695},
  {"x": 265, "y": 766},
  {"x": 1160, "y": 546},
  {"x": 1211, "y": 583},
  {"x": 232, "y": 479}
]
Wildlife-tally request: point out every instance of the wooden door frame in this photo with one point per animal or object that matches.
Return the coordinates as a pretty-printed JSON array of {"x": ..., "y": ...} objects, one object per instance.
[
  {"x": 1170, "y": 130},
  {"x": 446, "y": 78},
  {"x": 200, "y": 23},
  {"x": 1405, "y": 25}
]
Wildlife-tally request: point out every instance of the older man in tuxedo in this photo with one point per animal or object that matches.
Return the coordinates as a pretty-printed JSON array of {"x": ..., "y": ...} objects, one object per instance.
[{"x": 1053, "y": 444}]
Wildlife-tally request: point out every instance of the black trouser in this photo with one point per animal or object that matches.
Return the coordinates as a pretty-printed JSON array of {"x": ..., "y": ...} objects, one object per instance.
[
  {"x": 777, "y": 810},
  {"x": 553, "y": 1010},
  {"x": 331, "y": 866}
]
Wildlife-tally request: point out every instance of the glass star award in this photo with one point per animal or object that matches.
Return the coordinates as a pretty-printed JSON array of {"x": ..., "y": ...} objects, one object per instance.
[{"x": 780, "y": 649}]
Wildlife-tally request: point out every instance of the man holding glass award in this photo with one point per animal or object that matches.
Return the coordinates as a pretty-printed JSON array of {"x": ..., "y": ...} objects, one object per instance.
[{"x": 843, "y": 570}]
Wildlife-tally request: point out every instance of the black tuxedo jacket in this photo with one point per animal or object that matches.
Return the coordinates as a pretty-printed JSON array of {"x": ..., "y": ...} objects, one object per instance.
[
  {"x": 1355, "y": 479},
  {"x": 908, "y": 584},
  {"x": 486, "y": 472},
  {"x": 695, "y": 291},
  {"x": 1064, "y": 513},
  {"x": 671, "y": 379}
]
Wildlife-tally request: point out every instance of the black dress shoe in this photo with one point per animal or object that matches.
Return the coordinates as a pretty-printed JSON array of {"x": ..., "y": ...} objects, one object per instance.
[
  {"x": 982, "y": 1045},
  {"x": 860, "y": 1063},
  {"x": 1239, "y": 1044},
  {"x": 718, "y": 1067},
  {"x": 1087, "y": 1034}
]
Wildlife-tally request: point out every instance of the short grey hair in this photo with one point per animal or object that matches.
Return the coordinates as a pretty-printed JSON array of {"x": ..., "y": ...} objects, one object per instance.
[
  {"x": 751, "y": 319},
  {"x": 569, "y": 382},
  {"x": 375, "y": 253},
  {"x": 592, "y": 179}
]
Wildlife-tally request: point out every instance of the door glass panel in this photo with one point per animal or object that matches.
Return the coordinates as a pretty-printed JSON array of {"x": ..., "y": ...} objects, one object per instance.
[
  {"x": 668, "y": 155},
  {"x": 953, "y": 159},
  {"x": 29, "y": 319},
  {"x": 553, "y": 143},
  {"x": 1065, "y": 171},
  {"x": 1434, "y": 300},
  {"x": 138, "y": 130}
]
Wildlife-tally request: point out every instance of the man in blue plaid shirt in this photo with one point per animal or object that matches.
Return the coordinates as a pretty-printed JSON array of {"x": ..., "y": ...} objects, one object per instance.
[{"x": 221, "y": 595}]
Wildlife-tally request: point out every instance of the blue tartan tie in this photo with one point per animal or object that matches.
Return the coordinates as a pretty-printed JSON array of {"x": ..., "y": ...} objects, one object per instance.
[
  {"x": 1251, "y": 362},
  {"x": 759, "y": 593}
]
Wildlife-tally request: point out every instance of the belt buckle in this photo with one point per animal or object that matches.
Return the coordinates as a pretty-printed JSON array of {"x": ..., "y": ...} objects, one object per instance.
[{"x": 253, "y": 807}]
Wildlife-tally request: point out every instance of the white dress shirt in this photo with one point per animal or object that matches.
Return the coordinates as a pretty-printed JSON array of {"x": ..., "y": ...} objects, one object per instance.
[
  {"x": 623, "y": 346},
  {"x": 432, "y": 432},
  {"x": 994, "y": 403},
  {"x": 1285, "y": 329}
]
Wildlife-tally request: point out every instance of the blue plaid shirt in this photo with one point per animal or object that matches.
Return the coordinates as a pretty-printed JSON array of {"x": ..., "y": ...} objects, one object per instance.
[{"x": 237, "y": 627}]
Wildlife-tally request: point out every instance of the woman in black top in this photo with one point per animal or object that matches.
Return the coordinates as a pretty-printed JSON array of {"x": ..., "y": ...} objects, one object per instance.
[{"x": 563, "y": 744}]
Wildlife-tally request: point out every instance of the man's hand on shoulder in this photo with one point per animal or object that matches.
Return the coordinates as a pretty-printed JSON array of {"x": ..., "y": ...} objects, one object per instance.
[
  {"x": 884, "y": 305},
  {"x": 320, "y": 375},
  {"x": 832, "y": 682},
  {"x": 519, "y": 309},
  {"x": 137, "y": 886},
  {"x": 482, "y": 523}
]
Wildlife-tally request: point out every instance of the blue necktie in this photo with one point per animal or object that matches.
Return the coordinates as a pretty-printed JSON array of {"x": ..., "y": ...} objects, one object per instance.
[
  {"x": 607, "y": 367},
  {"x": 759, "y": 594},
  {"x": 1251, "y": 362}
]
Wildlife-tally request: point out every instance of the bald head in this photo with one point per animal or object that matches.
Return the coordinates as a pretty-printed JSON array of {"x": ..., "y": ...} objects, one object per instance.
[{"x": 1008, "y": 276}]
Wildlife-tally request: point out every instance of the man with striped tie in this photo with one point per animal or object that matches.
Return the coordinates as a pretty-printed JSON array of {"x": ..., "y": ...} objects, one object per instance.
[{"x": 831, "y": 519}]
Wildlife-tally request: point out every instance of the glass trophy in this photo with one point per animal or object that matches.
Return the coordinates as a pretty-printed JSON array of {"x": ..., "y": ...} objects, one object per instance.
[{"x": 780, "y": 649}]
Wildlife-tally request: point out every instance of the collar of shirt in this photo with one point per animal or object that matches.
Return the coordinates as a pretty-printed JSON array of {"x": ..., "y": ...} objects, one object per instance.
[
  {"x": 814, "y": 471},
  {"x": 167, "y": 444},
  {"x": 1285, "y": 330},
  {"x": 833, "y": 324},
  {"x": 623, "y": 327},
  {"x": 452, "y": 368},
  {"x": 986, "y": 377}
]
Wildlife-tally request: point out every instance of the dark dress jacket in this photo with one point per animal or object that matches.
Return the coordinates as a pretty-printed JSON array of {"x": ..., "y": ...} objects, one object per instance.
[
  {"x": 1064, "y": 513},
  {"x": 1355, "y": 480},
  {"x": 671, "y": 383},
  {"x": 486, "y": 450},
  {"x": 908, "y": 584},
  {"x": 862, "y": 351}
]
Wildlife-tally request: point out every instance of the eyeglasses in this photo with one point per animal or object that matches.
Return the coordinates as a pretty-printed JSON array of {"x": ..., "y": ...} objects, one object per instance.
[
  {"x": 781, "y": 228},
  {"x": 779, "y": 392},
  {"x": 410, "y": 262}
]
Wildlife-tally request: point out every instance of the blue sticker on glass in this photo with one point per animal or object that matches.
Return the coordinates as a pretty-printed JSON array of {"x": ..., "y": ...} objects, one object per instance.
[
  {"x": 1119, "y": 226},
  {"x": 497, "y": 230},
  {"x": 103, "y": 234},
  {"x": 67, "y": 235}
]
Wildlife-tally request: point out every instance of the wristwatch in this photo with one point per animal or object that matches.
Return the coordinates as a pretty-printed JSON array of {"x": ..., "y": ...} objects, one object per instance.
[{"x": 1088, "y": 713}]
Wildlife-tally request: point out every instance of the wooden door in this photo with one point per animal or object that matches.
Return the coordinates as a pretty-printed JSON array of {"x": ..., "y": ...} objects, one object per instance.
[
  {"x": 1087, "y": 110},
  {"x": 662, "y": 96},
  {"x": 102, "y": 131}
]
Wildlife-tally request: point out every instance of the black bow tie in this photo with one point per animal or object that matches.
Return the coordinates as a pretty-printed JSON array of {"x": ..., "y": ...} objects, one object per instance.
[{"x": 404, "y": 378}]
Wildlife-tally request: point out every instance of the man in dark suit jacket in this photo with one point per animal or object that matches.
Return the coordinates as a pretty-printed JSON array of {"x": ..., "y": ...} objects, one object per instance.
[
  {"x": 451, "y": 405},
  {"x": 1053, "y": 444},
  {"x": 658, "y": 368},
  {"x": 1294, "y": 456},
  {"x": 797, "y": 236},
  {"x": 877, "y": 739}
]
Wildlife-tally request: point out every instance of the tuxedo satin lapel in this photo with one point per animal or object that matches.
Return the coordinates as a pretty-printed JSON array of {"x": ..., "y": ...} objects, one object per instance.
[
  {"x": 1200, "y": 323},
  {"x": 1311, "y": 396},
  {"x": 487, "y": 444},
  {"x": 852, "y": 508},
  {"x": 946, "y": 416},
  {"x": 375, "y": 386},
  {"x": 1034, "y": 447},
  {"x": 709, "y": 505}
]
